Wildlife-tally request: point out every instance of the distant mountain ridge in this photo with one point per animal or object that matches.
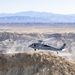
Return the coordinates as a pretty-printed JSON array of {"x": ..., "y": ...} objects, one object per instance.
[{"x": 31, "y": 16}]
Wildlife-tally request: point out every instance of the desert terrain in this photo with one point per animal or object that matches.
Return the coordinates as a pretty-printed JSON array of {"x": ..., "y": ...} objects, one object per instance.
[
  {"x": 17, "y": 39},
  {"x": 14, "y": 42}
]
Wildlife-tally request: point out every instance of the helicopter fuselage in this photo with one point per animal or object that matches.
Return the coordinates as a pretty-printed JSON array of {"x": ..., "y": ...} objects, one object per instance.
[{"x": 45, "y": 47}]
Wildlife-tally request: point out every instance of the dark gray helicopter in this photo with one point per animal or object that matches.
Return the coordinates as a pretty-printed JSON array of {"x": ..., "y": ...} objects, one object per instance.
[{"x": 41, "y": 45}]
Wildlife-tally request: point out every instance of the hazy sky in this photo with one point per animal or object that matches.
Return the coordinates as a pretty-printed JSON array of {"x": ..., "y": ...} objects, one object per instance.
[{"x": 55, "y": 6}]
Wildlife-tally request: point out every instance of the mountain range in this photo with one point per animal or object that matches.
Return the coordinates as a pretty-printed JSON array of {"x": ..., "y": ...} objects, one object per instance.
[{"x": 31, "y": 16}]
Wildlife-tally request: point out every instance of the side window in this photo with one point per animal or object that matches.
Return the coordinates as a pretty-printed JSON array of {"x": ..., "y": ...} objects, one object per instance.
[{"x": 34, "y": 45}]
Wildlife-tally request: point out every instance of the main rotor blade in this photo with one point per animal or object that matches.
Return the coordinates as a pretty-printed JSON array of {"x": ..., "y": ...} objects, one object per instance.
[
  {"x": 46, "y": 40},
  {"x": 49, "y": 39}
]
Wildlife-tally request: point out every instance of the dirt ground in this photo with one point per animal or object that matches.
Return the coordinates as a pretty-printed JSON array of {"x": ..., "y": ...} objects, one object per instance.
[{"x": 38, "y": 29}]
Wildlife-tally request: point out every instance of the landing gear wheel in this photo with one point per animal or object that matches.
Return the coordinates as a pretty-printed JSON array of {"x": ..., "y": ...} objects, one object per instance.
[{"x": 35, "y": 49}]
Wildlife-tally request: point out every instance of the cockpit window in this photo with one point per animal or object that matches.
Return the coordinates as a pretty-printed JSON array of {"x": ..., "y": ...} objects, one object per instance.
[{"x": 34, "y": 45}]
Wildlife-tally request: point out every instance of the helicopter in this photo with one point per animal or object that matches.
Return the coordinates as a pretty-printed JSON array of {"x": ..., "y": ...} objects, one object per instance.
[{"x": 40, "y": 45}]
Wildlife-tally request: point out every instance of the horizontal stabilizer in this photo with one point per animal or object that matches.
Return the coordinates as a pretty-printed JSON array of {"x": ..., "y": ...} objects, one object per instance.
[{"x": 62, "y": 48}]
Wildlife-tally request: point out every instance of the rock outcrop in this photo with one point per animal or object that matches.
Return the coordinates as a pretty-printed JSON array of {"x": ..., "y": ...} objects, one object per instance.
[{"x": 35, "y": 63}]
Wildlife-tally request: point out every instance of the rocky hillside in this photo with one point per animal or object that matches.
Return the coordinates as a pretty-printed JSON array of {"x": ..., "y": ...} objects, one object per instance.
[
  {"x": 14, "y": 42},
  {"x": 35, "y": 64}
]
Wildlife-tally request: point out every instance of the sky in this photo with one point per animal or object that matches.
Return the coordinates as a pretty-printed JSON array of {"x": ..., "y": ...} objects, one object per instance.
[{"x": 54, "y": 6}]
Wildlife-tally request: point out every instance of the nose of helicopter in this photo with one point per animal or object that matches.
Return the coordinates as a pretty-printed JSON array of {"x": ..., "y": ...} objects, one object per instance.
[{"x": 30, "y": 46}]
